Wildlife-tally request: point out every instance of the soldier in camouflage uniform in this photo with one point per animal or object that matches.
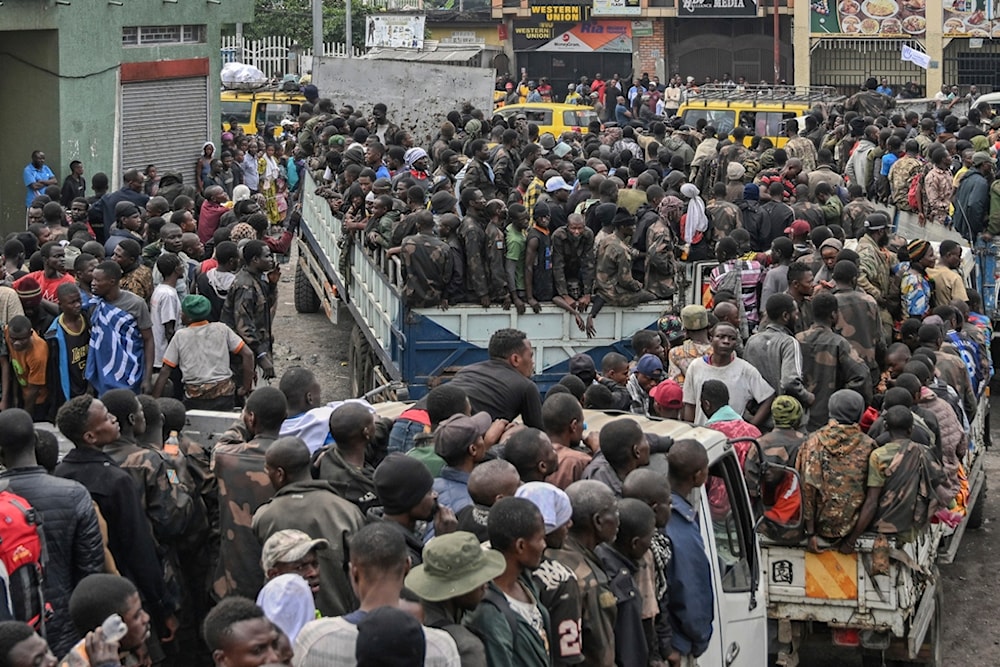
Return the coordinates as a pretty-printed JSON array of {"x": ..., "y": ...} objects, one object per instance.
[
  {"x": 378, "y": 231},
  {"x": 868, "y": 102},
  {"x": 805, "y": 209},
  {"x": 725, "y": 215},
  {"x": 829, "y": 362},
  {"x": 573, "y": 262},
  {"x": 428, "y": 264},
  {"x": 735, "y": 152},
  {"x": 902, "y": 172},
  {"x": 661, "y": 264},
  {"x": 496, "y": 215},
  {"x": 243, "y": 487},
  {"x": 874, "y": 266},
  {"x": 472, "y": 234},
  {"x": 832, "y": 465},
  {"x": 614, "y": 282},
  {"x": 779, "y": 446},
  {"x": 595, "y": 521},
  {"x": 902, "y": 479},
  {"x": 856, "y": 212},
  {"x": 859, "y": 317},
  {"x": 251, "y": 301}
]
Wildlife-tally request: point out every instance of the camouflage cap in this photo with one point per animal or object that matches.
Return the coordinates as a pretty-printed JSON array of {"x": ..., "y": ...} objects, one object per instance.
[
  {"x": 288, "y": 546},
  {"x": 453, "y": 565}
]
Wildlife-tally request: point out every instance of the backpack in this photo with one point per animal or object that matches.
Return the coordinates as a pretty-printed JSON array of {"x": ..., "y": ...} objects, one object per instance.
[{"x": 21, "y": 557}]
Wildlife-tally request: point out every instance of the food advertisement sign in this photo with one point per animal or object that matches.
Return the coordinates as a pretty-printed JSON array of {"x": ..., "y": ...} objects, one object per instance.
[
  {"x": 970, "y": 18},
  {"x": 870, "y": 18}
]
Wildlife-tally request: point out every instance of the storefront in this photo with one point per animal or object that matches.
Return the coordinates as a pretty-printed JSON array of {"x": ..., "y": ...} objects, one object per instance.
[{"x": 563, "y": 42}]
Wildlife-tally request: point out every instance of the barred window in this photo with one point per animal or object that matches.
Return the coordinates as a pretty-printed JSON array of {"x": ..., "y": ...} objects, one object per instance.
[{"x": 148, "y": 35}]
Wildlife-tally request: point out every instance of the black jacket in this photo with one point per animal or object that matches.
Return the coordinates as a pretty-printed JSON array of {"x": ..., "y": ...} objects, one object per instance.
[
  {"x": 73, "y": 546},
  {"x": 130, "y": 537}
]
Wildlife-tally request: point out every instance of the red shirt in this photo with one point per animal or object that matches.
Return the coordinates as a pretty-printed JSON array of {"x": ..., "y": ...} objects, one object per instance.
[{"x": 49, "y": 286}]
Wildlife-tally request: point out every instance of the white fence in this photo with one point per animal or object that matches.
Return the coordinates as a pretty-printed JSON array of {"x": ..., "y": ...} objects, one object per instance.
[{"x": 276, "y": 56}]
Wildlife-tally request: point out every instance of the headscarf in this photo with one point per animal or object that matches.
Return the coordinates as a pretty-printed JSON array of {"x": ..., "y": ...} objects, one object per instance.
[
  {"x": 287, "y": 602},
  {"x": 670, "y": 208},
  {"x": 412, "y": 155},
  {"x": 206, "y": 145},
  {"x": 846, "y": 406},
  {"x": 980, "y": 143},
  {"x": 786, "y": 412},
  {"x": 697, "y": 220}
]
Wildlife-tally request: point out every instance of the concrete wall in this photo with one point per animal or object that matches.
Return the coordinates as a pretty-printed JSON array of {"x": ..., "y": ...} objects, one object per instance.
[
  {"x": 410, "y": 90},
  {"x": 71, "y": 112}
]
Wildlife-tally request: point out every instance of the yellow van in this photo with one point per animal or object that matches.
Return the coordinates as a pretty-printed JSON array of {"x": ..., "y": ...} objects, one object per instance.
[
  {"x": 762, "y": 112},
  {"x": 551, "y": 117},
  {"x": 259, "y": 107}
]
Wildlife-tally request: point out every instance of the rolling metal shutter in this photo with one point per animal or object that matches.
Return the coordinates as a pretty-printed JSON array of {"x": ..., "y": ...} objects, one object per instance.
[{"x": 165, "y": 123}]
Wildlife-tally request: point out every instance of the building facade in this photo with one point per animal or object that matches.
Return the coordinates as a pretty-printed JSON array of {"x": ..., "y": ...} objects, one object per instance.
[{"x": 114, "y": 84}]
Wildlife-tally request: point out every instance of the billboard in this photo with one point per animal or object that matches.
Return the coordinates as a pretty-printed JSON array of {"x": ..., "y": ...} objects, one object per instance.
[
  {"x": 394, "y": 31},
  {"x": 716, "y": 8},
  {"x": 616, "y": 8},
  {"x": 869, "y": 18},
  {"x": 597, "y": 36},
  {"x": 971, "y": 18}
]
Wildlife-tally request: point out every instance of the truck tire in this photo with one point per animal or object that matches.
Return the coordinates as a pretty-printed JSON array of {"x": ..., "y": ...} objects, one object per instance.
[
  {"x": 976, "y": 518},
  {"x": 306, "y": 299},
  {"x": 361, "y": 362}
]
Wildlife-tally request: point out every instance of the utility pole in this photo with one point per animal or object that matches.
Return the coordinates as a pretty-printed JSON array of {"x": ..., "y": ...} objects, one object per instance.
[
  {"x": 348, "y": 31},
  {"x": 317, "y": 12}
]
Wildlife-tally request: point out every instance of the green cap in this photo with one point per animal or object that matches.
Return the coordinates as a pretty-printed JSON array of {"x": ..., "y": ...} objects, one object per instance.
[{"x": 454, "y": 564}]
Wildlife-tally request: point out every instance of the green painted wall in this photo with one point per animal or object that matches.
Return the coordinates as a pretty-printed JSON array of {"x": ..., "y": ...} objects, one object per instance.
[{"x": 69, "y": 111}]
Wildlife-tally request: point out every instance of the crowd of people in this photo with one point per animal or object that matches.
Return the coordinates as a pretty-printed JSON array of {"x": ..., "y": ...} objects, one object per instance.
[{"x": 314, "y": 533}]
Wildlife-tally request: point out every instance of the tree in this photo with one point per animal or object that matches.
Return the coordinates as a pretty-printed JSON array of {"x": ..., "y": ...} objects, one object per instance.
[{"x": 293, "y": 18}]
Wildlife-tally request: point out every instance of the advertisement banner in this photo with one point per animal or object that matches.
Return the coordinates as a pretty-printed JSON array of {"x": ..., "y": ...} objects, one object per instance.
[
  {"x": 971, "y": 18},
  {"x": 593, "y": 37},
  {"x": 617, "y": 8},
  {"x": 716, "y": 8},
  {"x": 395, "y": 31},
  {"x": 869, "y": 18}
]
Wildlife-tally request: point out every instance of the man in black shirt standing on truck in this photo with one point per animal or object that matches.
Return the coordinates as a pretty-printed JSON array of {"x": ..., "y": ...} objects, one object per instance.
[{"x": 502, "y": 385}]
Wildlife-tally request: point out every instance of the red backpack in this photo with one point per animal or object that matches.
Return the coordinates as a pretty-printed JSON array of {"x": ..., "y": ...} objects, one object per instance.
[
  {"x": 22, "y": 597},
  {"x": 915, "y": 193}
]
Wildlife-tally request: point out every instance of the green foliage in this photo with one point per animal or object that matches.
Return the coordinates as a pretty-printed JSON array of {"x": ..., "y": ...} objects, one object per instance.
[{"x": 293, "y": 18}]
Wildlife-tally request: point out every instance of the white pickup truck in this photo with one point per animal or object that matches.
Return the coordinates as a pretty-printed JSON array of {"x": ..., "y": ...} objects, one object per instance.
[
  {"x": 771, "y": 598},
  {"x": 892, "y": 618}
]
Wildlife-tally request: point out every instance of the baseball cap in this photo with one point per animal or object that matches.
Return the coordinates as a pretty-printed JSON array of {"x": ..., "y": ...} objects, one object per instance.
[
  {"x": 876, "y": 221},
  {"x": 453, "y": 565},
  {"x": 980, "y": 158},
  {"x": 583, "y": 366},
  {"x": 798, "y": 228},
  {"x": 456, "y": 433},
  {"x": 547, "y": 142},
  {"x": 288, "y": 546},
  {"x": 584, "y": 175},
  {"x": 668, "y": 394},
  {"x": 550, "y": 500},
  {"x": 694, "y": 317},
  {"x": 557, "y": 183},
  {"x": 650, "y": 365}
]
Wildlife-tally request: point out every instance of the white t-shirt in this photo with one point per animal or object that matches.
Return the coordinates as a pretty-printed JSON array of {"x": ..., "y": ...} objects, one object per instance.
[
  {"x": 164, "y": 307},
  {"x": 744, "y": 381}
]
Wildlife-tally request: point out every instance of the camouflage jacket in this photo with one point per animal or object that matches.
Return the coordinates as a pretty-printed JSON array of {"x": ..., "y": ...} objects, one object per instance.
[
  {"x": 809, "y": 211},
  {"x": 614, "y": 281},
  {"x": 496, "y": 262},
  {"x": 803, "y": 149},
  {"x": 472, "y": 234},
  {"x": 830, "y": 363},
  {"x": 859, "y": 324},
  {"x": 907, "y": 500},
  {"x": 900, "y": 175},
  {"x": 573, "y": 260},
  {"x": 869, "y": 103},
  {"x": 853, "y": 217},
  {"x": 478, "y": 175},
  {"x": 661, "y": 264},
  {"x": 873, "y": 268},
  {"x": 833, "y": 466},
  {"x": 429, "y": 266},
  {"x": 725, "y": 217},
  {"x": 167, "y": 504},
  {"x": 243, "y": 487},
  {"x": 598, "y": 607},
  {"x": 249, "y": 308}
]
